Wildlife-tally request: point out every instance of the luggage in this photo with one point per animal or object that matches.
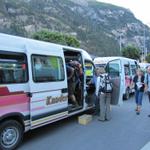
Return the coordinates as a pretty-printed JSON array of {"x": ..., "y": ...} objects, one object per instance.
[{"x": 85, "y": 119}]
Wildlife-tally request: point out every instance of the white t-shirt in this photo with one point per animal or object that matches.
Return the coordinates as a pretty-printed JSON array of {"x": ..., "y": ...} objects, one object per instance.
[
  {"x": 99, "y": 83},
  {"x": 97, "y": 86},
  {"x": 139, "y": 83}
]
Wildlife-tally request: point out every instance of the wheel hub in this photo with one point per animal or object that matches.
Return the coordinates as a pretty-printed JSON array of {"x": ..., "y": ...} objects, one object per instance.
[{"x": 9, "y": 137}]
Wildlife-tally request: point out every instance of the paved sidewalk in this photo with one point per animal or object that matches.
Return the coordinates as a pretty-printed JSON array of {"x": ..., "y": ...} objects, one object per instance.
[{"x": 126, "y": 131}]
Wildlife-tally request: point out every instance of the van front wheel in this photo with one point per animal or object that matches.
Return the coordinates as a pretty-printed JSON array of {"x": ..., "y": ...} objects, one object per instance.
[{"x": 11, "y": 133}]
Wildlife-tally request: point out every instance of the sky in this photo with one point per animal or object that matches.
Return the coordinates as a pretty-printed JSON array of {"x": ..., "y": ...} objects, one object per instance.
[{"x": 140, "y": 8}]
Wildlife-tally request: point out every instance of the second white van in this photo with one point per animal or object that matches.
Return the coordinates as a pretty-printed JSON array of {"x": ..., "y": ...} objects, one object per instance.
[{"x": 122, "y": 67}]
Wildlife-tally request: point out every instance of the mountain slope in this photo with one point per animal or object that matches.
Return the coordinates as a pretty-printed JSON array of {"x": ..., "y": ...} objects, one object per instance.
[{"x": 98, "y": 26}]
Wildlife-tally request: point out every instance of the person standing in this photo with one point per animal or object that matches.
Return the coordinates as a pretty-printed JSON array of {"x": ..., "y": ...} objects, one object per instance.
[
  {"x": 96, "y": 82},
  {"x": 71, "y": 85},
  {"x": 93, "y": 91},
  {"x": 105, "y": 97},
  {"x": 147, "y": 83},
  {"x": 139, "y": 86}
]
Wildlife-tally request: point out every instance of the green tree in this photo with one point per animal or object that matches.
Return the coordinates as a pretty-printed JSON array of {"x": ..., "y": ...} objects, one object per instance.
[
  {"x": 148, "y": 58},
  {"x": 56, "y": 37},
  {"x": 131, "y": 52}
]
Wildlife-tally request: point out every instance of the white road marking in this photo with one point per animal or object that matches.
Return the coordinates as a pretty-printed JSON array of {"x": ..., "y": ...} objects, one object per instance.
[{"x": 146, "y": 147}]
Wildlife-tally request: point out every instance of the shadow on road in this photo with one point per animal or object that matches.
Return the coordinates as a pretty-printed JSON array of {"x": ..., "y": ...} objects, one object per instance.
[{"x": 50, "y": 128}]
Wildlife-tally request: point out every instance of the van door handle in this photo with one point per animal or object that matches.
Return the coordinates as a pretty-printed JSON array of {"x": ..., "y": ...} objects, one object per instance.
[
  {"x": 29, "y": 94},
  {"x": 65, "y": 90}
]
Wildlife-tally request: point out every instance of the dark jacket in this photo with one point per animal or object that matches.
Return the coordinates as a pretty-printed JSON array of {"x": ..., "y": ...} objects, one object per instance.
[{"x": 135, "y": 80}]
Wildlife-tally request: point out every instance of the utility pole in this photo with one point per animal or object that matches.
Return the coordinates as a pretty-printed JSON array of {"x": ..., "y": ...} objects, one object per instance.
[
  {"x": 144, "y": 45},
  {"x": 120, "y": 44}
]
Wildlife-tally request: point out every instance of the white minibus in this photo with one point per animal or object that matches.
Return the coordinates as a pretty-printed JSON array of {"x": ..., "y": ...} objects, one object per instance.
[
  {"x": 144, "y": 66},
  {"x": 33, "y": 86},
  {"x": 121, "y": 67}
]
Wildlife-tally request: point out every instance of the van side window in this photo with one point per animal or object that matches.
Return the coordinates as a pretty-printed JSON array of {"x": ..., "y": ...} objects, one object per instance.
[
  {"x": 113, "y": 68},
  {"x": 13, "y": 68},
  {"x": 89, "y": 70},
  {"x": 47, "y": 68}
]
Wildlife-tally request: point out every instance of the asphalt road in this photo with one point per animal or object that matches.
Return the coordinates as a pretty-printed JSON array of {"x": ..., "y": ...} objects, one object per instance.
[{"x": 126, "y": 131}]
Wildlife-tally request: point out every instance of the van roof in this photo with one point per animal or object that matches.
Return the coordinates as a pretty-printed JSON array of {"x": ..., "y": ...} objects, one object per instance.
[
  {"x": 144, "y": 65},
  {"x": 6, "y": 39},
  {"x": 16, "y": 43},
  {"x": 104, "y": 60}
]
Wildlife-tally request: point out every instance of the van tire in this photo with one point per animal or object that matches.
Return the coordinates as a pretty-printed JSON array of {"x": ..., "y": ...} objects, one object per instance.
[
  {"x": 11, "y": 134},
  {"x": 127, "y": 94}
]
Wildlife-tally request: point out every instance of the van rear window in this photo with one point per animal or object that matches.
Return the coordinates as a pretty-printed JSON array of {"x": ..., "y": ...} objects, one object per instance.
[
  {"x": 47, "y": 68},
  {"x": 13, "y": 68}
]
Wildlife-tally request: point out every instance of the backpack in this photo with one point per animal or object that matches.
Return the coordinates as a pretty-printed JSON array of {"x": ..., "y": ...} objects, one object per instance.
[
  {"x": 106, "y": 85},
  {"x": 76, "y": 76}
]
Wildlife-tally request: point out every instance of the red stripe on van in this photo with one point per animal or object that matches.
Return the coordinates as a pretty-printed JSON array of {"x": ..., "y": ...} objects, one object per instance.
[
  {"x": 13, "y": 99},
  {"x": 4, "y": 91}
]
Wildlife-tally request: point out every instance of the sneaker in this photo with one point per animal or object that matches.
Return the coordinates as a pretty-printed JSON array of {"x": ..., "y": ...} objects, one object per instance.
[{"x": 138, "y": 113}]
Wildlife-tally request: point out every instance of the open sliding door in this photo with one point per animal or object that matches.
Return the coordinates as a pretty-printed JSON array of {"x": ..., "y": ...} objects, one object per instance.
[{"x": 114, "y": 70}]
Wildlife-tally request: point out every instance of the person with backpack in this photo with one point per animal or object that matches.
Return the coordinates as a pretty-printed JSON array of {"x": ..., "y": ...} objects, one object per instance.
[
  {"x": 139, "y": 86},
  {"x": 105, "y": 97},
  {"x": 78, "y": 80},
  {"x": 71, "y": 85},
  {"x": 147, "y": 83},
  {"x": 78, "y": 72}
]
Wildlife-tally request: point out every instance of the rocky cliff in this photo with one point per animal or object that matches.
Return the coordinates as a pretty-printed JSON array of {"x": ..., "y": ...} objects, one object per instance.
[{"x": 98, "y": 26}]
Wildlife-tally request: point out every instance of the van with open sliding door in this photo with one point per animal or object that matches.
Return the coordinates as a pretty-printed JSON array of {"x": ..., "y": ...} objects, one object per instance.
[
  {"x": 33, "y": 86},
  {"x": 127, "y": 70}
]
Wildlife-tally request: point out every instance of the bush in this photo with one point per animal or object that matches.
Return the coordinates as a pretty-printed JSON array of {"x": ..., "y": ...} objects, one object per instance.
[
  {"x": 148, "y": 58},
  {"x": 131, "y": 52},
  {"x": 56, "y": 37}
]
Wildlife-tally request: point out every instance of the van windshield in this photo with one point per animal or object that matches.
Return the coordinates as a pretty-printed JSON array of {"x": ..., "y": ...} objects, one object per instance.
[{"x": 100, "y": 65}]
